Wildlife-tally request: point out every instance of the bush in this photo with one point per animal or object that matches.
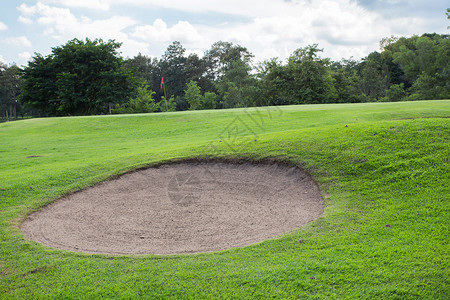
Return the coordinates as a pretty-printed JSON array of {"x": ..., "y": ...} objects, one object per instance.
[
  {"x": 209, "y": 101},
  {"x": 142, "y": 103},
  {"x": 396, "y": 92},
  {"x": 171, "y": 104}
]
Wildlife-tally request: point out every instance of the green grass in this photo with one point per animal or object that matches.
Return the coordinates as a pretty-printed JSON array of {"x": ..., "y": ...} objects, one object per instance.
[{"x": 376, "y": 165}]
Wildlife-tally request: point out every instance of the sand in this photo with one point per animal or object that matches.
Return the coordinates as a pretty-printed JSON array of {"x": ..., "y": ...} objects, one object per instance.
[{"x": 180, "y": 208}]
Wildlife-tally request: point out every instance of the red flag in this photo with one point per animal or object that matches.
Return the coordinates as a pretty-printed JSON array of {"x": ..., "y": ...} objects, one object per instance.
[{"x": 162, "y": 82}]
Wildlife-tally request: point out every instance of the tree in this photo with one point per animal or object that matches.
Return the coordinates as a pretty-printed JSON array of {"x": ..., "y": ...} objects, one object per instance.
[
  {"x": 346, "y": 81},
  {"x": 392, "y": 70},
  {"x": 232, "y": 96},
  {"x": 209, "y": 101},
  {"x": 195, "y": 69},
  {"x": 425, "y": 62},
  {"x": 274, "y": 82},
  {"x": 309, "y": 79},
  {"x": 237, "y": 85},
  {"x": 167, "y": 106},
  {"x": 172, "y": 65},
  {"x": 448, "y": 16},
  {"x": 192, "y": 95},
  {"x": 78, "y": 78},
  {"x": 144, "y": 102},
  {"x": 147, "y": 70},
  {"x": 306, "y": 78},
  {"x": 40, "y": 85},
  {"x": 220, "y": 57},
  {"x": 428, "y": 87},
  {"x": 373, "y": 83},
  {"x": 396, "y": 92},
  {"x": 9, "y": 91}
]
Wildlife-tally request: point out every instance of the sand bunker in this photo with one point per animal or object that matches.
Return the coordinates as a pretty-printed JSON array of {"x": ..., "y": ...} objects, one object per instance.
[{"x": 179, "y": 208}]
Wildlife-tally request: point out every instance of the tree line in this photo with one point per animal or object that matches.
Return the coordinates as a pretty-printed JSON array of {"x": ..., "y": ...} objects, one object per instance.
[{"x": 85, "y": 77}]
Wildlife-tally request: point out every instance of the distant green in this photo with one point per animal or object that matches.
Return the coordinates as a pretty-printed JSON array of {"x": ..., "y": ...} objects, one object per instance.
[{"x": 383, "y": 170}]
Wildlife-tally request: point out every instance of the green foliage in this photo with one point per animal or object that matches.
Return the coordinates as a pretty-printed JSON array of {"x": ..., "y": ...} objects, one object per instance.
[
  {"x": 168, "y": 106},
  {"x": 172, "y": 67},
  {"x": 236, "y": 86},
  {"x": 142, "y": 103},
  {"x": 88, "y": 77},
  {"x": 395, "y": 93},
  {"x": 448, "y": 16},
  {"x": 232, "y": 96},
  {"x": 425, "y": 62},
  {"x": 209, "y": 101},
  {"x": 309, "y": 74},
  {"x": 147, "y": 70},
  {"x": 373, "y": 83},
  {"x": 178, "y": 70},
  {"x": 306, "y": 78},
  {"x": 273, "y": 84},
  {"x": 428, "y": 87},
  {"x": 221, "y": 57},
  {"x": 78, "y": 78},
  {"x": 346, "y": 82},
  {"x": 192, "y": 95},
  {"x": 229, "y": 66},
  {"x": 9, "y": 91},
  {"x": 382, "y": 169}
]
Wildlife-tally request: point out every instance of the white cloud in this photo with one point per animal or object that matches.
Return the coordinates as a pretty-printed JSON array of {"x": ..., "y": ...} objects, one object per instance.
[
  {"x": 25, "y": 20},
  {"x": 268, "y": 28},
  {"x": 347, "y": 24},
  {"x": 2, "y": 61},
  {"x": 25, "y": 57},
  {"x": 159, "y": 32},
  {"x": 61, "y": 25},
  {"x": 19, "y": 41},
  {"x": 247, "y": 8},
  {"x": 274, "y": 28},
  {"x": 3, "y": 26},
  {"x": 198, "y": 52},
  {"x": 407, "y": 26},
  {"x": 91, "y": 4},
  {"x": 47, "y": 15},
  {"x": 280, "y": 28},
  {"x": 341, "y": 27}
]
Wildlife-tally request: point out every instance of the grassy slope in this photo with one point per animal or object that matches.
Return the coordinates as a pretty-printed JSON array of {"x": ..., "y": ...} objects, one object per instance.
[{"x": 389, "y": 166}]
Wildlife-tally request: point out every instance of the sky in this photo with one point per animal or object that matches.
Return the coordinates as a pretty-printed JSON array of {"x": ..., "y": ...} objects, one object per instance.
[{"x": 268, "y": 28}]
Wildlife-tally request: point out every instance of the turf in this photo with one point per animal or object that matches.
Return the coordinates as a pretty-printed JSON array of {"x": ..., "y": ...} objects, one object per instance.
[{"x": 383, "y": 169}]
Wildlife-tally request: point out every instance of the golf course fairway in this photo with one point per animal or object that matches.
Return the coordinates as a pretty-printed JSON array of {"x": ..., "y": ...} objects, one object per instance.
[{"x": 382, "y": 170}]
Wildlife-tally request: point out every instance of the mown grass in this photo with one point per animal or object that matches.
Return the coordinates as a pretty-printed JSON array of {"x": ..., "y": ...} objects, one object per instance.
[{"x": 383, "y": 170}]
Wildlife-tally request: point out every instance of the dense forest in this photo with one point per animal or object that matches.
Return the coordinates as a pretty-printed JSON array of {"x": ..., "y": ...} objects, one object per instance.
[{"x": 90, "y": 77}]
